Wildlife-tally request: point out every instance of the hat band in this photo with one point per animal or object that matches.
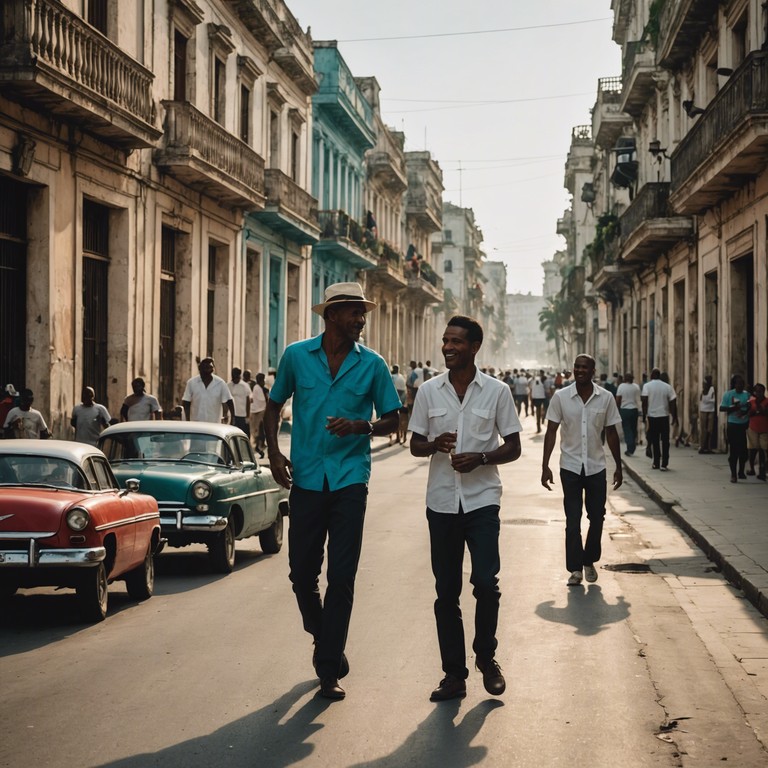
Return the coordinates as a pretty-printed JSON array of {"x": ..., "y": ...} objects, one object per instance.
[{"x": 345, "y": 297}]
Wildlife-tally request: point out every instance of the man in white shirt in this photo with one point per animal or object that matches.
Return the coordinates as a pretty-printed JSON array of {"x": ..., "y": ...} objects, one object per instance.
[
  {"x": 538, "y": 398},
  {"x": 24, "y": 421},
  {"x": 259, "y": 397},
  {"x": 205, "y": 395},
  {"x": 241, "y": 399},
  {"x": 583, "y": 410},
  {"x": 89, "y": 418},
  {"x": 521, "y": 392},
  {"x": 140, "y": 405},
  {"x": 659, "y": 402},
  {"x": 628, "y": 400},
  {"x": 458, "y": 419}
]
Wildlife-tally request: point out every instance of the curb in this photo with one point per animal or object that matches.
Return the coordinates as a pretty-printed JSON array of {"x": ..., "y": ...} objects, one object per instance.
[{"x": 676, "y": 512}]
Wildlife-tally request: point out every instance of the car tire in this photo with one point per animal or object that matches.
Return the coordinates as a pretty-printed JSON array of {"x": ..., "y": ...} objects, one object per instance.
[
  {"x": 93, "y": 593},
  {"x": 271, "y": 540},
  {"x": 221, "y": 550},
  {"x": 140, "y": 582}
]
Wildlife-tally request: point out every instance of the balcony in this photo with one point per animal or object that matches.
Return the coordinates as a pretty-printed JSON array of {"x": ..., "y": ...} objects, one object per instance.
[
  {"x": 53, "y": 61},
  {"x": 425, "y": 209},
  {"x": 262, "y": 21},
  {"x": 390, "y": 271},
  {"x": 565, "y": 224},
  {"x": 342, "y": 237},
  {"x": 608, "y": 121},
  {"x": 728, "y": 144},
  {"x": 649, "y": 226},
  {"x": 201, "y": 154},
  {"x": 289, "y": 210},
  {"x": 682, "y": 26},
  {"x": 423, "y": 201},
  {"x": 425, "y": 286},
  {"x": 389, "y": 169},
  {"x": 296, "y": 61},
  {"x": 637, "y": 74}
]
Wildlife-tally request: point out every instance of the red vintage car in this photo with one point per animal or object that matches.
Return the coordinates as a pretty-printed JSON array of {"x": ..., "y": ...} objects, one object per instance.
[{"x": 65, "y": 522}]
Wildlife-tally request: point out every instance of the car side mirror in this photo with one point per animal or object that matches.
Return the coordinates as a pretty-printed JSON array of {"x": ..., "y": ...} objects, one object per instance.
[
  {"x": 248, "y": 465},
  {"x": 132, "y": 485}
]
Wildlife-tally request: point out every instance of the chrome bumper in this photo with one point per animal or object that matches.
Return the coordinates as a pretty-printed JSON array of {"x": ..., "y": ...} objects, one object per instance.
[
  {"x": 188, "y": 522},
  {"x": 51, "y": 558}
]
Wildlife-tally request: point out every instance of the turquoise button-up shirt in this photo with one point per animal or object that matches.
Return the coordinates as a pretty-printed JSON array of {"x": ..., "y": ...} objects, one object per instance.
[{"x": 362, "y": 383}]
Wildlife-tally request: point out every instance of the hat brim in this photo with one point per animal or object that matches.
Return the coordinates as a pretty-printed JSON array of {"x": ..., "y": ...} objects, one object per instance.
[{"x": 319, "y": 309}]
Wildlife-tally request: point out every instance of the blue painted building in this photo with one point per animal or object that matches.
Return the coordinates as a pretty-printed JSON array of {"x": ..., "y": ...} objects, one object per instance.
[{"x": 342, "y": 131}]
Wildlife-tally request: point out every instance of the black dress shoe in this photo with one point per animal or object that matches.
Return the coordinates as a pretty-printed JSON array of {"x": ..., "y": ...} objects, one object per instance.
[
  {"x": 330, "y": 689},
  {"x": 451, "y": 687},
  {"x": 493, "y": 680}
]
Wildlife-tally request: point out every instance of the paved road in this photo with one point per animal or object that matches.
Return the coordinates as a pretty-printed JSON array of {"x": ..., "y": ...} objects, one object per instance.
[{"x": 661, "y": 663}]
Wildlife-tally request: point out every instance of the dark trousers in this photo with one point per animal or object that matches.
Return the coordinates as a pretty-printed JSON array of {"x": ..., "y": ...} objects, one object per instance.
[
  {"x": 315, "y": 516},
  {"x": 629, "y": 425},
  {"x": 658, "y": 437},
  {"x": 448, "y": 534},
  {"x": 737, "y": 447},
  {"x": 591, "y": 490},
  {"x": 242, "y": 423}
]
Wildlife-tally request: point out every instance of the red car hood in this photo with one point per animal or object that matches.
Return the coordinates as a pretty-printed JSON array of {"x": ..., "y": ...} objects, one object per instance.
[{"x": 35, "y": 509}]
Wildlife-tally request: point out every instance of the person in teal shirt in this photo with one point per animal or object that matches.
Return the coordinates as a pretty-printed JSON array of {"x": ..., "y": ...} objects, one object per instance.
[
  {"x": 336, "y": 383},
  {"x": 735, "y": 403}
]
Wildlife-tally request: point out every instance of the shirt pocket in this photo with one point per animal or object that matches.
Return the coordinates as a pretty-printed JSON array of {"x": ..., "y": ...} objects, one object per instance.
[
  {"x": 598, "y": 418},
  {"x": 354, "y": 401},
  {"x": 438, "y": 421},
  {"x": 481, "y": 423}
]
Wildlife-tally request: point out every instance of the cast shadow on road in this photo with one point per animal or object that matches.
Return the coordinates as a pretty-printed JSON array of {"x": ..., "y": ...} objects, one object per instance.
[
  {"x": 265, "y": 739},
  {"x": 586, "y": 610}
]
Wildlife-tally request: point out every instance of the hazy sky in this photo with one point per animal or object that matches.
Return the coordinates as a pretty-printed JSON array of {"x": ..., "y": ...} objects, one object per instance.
[{"x": 500, "y": 105}]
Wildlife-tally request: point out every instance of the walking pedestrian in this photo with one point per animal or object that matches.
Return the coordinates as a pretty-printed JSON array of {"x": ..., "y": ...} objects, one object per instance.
[
  {"x": 584, "y": 410},
  {"x": 335, "y": 383},
  {"x": 259, "y": 397},
  {"x": 24, "y": 421},
  {"x": 735, "y": 403},
  {"x": 629, "y": 403},
  {"x": 206, "y": 394},
  {"x": 140, "y": 406},
  {"x": 89, "y": 418},
  {"x": 240, "y": 391},
  {"x": 757, "y": 432},
  {"x": 706, "y": 415},
  {"x": 458, "y": 418},
  {"x": 659, "y": 403}
]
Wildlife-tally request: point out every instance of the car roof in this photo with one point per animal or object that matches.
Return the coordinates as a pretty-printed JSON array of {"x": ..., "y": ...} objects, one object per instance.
[
  {"x": 198, "y": 427},
  {"x": 58, "y": 449}
]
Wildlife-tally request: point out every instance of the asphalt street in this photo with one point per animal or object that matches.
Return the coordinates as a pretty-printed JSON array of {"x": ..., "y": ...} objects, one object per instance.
[{"x": 660, "y": 663}]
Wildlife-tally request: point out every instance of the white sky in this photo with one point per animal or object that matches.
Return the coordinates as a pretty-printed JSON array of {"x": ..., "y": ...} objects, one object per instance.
[{"x": 445, "y": 91}]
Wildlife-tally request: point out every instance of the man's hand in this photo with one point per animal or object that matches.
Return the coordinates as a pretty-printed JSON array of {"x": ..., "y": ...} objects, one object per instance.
[
  {"x": 466, "y": 462},
  {"x": 546, "y": 478},
  {"x": 618, "y": 478},
  {"x": 342, "y": 427},
  {"x": 281, "y": 469},
  {"x": 445, "y": 443}
]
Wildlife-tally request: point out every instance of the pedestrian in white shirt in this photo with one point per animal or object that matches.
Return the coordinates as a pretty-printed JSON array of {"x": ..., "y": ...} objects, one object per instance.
[
  {"x": 707, "y": 408},
  {"x": 538, "y": 398},
  {"x": 584, "y": 410},
  {"x": 659, "y": 403},
  {"x": 89, "y": 418},
  {"x": 628, "y": 400},
  {"x": 241, "y": 399},
  {"x": 466, "y": 422},
  {"x": 206, "y": 395}
]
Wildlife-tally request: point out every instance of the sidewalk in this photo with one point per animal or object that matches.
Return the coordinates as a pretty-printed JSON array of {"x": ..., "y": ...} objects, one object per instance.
[{"x": 729, "y": 522}]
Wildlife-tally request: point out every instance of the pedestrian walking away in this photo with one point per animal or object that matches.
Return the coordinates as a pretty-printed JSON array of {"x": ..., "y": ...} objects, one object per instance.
[
  {"x": 659, "y": 403},
  {"x": 336, "y": 383},
  {"x": 459, "y": 420},
  {"x": 240, "y": 391},
  {"x": 583, "y": 410},
  {"x": 629, "y": 403},
  {"x": 706, "y": 415}
]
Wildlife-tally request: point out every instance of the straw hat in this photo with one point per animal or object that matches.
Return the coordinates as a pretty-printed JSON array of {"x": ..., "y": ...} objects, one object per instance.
[{"x": 342, "y": 293}]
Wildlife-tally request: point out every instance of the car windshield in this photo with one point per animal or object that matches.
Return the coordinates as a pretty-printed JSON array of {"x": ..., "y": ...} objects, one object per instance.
[
  {"x": 19, "y": 469},
  {"x": 166, "y": 446}
]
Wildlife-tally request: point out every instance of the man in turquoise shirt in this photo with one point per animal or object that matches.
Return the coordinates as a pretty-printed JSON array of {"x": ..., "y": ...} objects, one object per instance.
[{"x": 335, "y": 383}]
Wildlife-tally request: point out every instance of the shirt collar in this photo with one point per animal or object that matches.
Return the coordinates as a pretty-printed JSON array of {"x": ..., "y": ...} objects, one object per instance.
[
  {"x": 442, "y": 378},
  {"x": 596, "y": 391},
  {"x": 316, "y": 343}
]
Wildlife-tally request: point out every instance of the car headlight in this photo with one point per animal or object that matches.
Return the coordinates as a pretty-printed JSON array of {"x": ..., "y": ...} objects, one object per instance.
[
  {"x": 78, "y": 519},
  {"x": 201, "y": 490}
]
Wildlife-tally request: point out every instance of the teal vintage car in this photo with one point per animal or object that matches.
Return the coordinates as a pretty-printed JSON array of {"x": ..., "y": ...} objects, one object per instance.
[{"x": 207, "y": 483}]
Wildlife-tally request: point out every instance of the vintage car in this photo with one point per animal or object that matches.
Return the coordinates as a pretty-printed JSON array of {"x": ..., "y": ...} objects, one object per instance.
[
  {"x": 65, "y": 522},
  {"x": 208, "y": 485}
]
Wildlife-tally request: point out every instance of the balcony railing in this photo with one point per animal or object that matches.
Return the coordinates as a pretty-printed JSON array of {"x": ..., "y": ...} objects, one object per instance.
[
  {"x": 390, "y": 168},
  {"x": 282, "y": 191},
  {"x": 203, "y": 154},
  {"x": 649, "y": 225},
  {"x": 339, "y": 225},
  {"x": 262, "y": 21},
  {"x": 426, "y": 208},
  {"x": 51, "y": 56},
  {"x": 637, "y": 76},
  {"x": 727, "y": 143},
  {"x": 682, "y": 25},
  {"x": 607, "y": 118}
]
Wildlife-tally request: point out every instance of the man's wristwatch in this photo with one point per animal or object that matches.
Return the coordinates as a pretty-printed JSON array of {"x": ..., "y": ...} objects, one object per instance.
[{"x": 483, "y": 458}]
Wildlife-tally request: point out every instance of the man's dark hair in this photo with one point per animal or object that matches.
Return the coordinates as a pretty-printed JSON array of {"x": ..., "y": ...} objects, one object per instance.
[{"x": 470, "y": 325}]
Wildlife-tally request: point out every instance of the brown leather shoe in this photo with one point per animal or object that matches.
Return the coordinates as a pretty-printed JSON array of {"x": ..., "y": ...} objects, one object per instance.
[
  {"x": 330, "y": 689},
  {"x": 451, "y": 687},
  {"x": 493, "y": 680}
]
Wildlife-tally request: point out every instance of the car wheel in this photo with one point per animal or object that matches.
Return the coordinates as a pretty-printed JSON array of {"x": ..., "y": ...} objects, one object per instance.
[
  {"x": 271, "y": 540},
  {"x": 222, "y": 549},
  {"x": 140, "y": 582},
  {"x": 93, "y": 594}
]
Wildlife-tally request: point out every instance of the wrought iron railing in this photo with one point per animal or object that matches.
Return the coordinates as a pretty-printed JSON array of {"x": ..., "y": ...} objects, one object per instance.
[{"x": 651, "y": 202}]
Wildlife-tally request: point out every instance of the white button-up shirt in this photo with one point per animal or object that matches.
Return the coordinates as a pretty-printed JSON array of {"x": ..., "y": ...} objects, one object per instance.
[
  {"x": 580, "y": 427},
  {"x": 486, "y": 413},
  {"x": 660, "y": 395},
  {"x": 205, "y": 402}
]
